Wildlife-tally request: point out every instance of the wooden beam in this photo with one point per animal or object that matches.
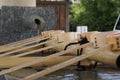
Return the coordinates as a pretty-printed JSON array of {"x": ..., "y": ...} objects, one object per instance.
[
  {"x": 27, "y": 48},
  {"x": 64, "y": 64},
  {"x": 39, "y": 60}
]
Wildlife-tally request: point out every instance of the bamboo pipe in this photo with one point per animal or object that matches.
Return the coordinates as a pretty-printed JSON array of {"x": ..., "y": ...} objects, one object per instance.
[
  {"x": 42, "y": 49},
  {"x": 26, "y": 48},
  {"x": 25, "y": 41},
  {"x": 63, "y": 64},
  {"x": 30, "y": 39},
  {"x": 53, "y": 45},
  {"x": 21, "y": 41},
  {"x": 36, "y": 61},
  {"x": 99, "y": 40},
  {"x": 16, "y": 47},
  {"x": 107, "y": 56},
  {"x": 8, "y": 62},
  {"x": 70, "y": 36}
]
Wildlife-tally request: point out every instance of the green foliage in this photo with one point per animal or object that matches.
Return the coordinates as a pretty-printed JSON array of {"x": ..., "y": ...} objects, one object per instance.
[{"x": 96, "y": 14}]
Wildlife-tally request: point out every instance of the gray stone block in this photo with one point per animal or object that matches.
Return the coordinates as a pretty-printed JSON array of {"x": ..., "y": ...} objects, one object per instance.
[
  {"x": 18, "y": 22},
  {"x": 0, "y": 22}
]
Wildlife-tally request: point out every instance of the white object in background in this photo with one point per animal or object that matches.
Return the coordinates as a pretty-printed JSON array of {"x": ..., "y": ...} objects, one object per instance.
[
  {"x": 82, "y": 29},
  {"x": 79, "y": 29},
  {"x": 76, "y": 33},
  {"x": 117, "y": 24}
]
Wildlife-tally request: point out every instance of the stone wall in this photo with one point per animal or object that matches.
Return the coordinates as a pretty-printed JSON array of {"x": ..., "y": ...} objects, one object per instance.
[
  {"x": 18, "y": 22},
  {"x": 0, "y": 20}
]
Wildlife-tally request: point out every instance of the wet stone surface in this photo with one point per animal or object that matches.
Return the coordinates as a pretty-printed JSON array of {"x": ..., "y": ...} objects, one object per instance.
[{"x": 100, "y": 73}]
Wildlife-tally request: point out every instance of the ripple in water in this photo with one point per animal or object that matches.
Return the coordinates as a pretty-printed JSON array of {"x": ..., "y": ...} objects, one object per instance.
[{"x": 109, "y": 76}]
